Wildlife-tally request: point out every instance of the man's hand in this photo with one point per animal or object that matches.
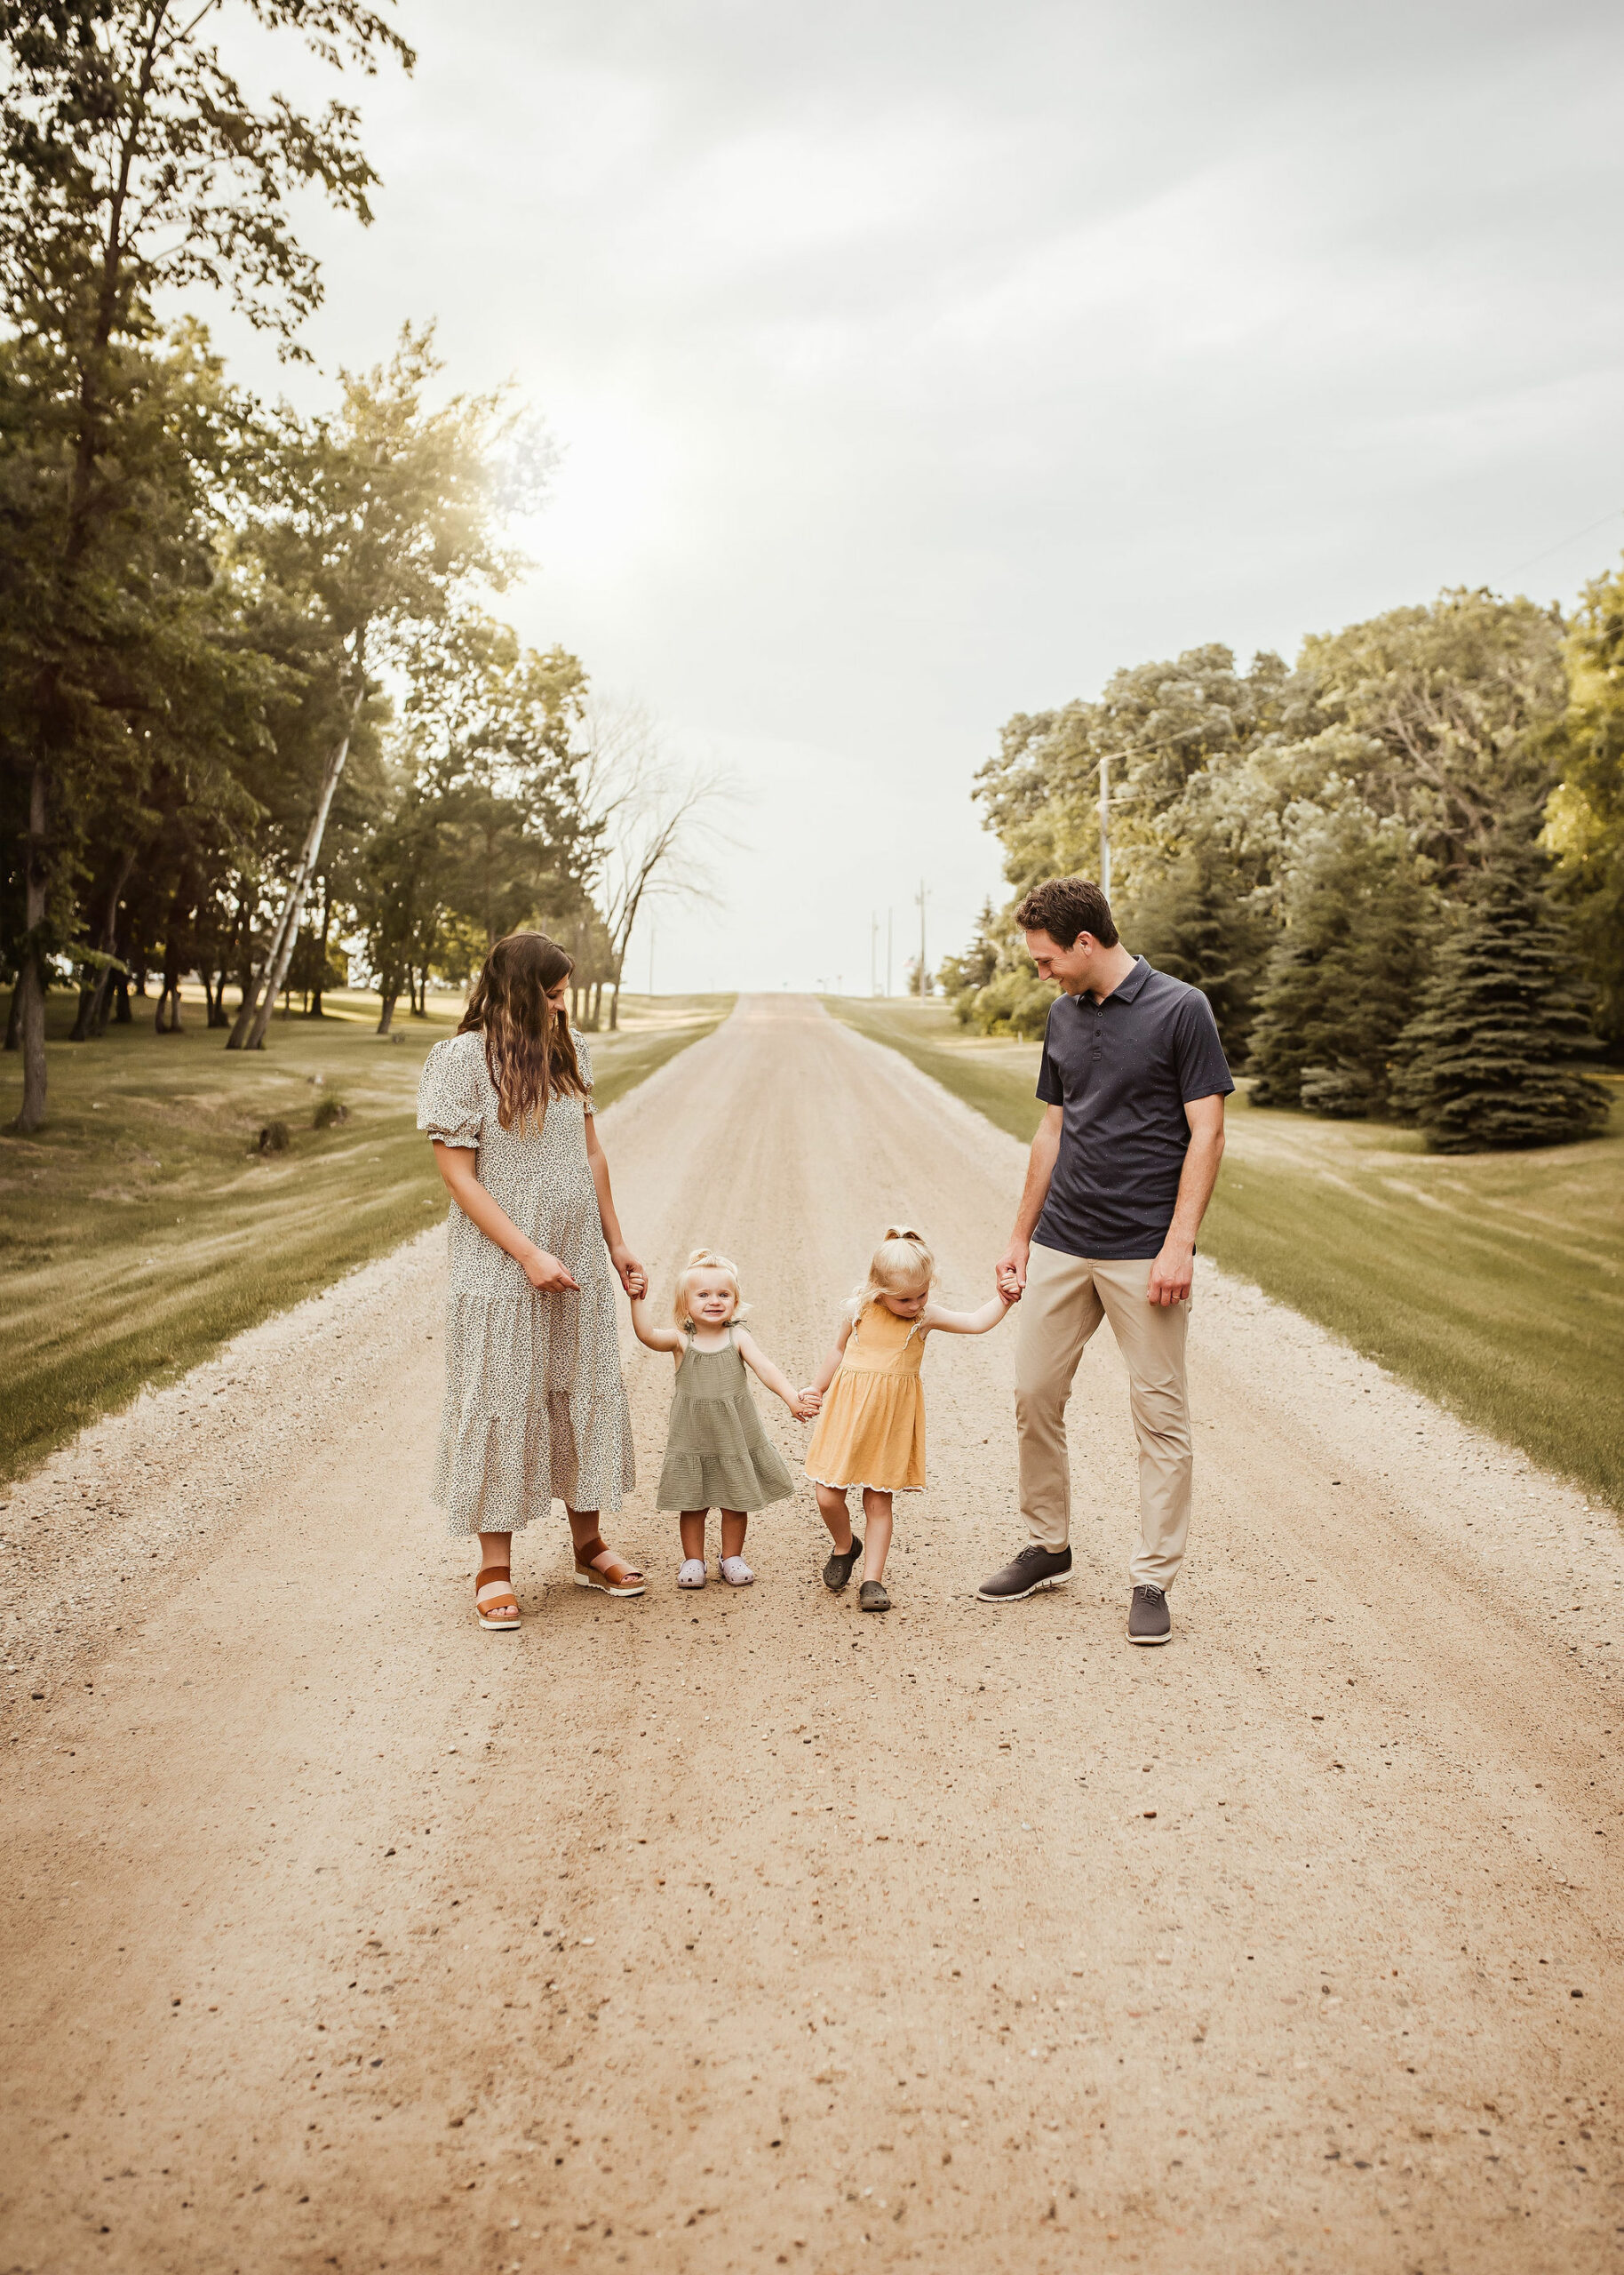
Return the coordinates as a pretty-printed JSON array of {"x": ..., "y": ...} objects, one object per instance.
[
  {"x": 1172, "y": 1271},
  {"x": 1010, "y": 1271}
]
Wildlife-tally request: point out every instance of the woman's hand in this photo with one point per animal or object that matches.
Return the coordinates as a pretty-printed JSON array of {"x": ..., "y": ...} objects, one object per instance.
[
  {"x": 633, "y": 1279},
  {"x": 546, "y": 1274}
]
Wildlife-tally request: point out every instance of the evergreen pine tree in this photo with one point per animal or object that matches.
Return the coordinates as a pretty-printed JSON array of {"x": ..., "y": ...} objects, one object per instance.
[
  {"x": 1493, "y": 1059},
  {"x": 1341, "y": 980},
  {"x": 1190, "y": 917}
]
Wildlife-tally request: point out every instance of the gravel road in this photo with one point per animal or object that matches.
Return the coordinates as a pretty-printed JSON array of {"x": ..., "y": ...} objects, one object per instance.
[{"x": 739, "y": 1930}]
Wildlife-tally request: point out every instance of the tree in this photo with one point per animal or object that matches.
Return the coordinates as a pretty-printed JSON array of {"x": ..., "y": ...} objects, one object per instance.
[
  {"x": 1493, "y": 1059},
  {"x": 384, "y": 521},
  {"x": 131, "y": 162},
  {"x": 1457, "y": 701},
  {"x": 655, "y": 820},
  {"x": 1342, "y": 977},
  {"x": 1584, "y": 820}
]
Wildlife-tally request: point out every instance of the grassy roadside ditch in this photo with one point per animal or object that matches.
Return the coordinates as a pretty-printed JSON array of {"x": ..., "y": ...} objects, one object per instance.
[
  {"x": 1493, "y": 1282},
  {"x": 140, "y": 1229}
]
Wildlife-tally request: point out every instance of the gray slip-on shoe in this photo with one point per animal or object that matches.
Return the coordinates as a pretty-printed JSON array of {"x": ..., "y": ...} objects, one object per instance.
[
  {"x": 1034, "y": 1569},
  {"x": 1148, "y": 1620},
  {"x": 871, "y": 1596},
  {"x": 842, "y": 1562}
]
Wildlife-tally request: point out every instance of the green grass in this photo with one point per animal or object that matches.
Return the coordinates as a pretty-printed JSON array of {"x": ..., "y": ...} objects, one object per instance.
[
  {"x": 1494, "y": 1282},
  {"x": 138, "y": 1230}
]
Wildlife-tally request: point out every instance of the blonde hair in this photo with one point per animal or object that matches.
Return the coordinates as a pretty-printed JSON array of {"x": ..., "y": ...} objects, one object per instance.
[
  {"x": 705, "y": 1260},
  {"x": 901, "y": 1262}
]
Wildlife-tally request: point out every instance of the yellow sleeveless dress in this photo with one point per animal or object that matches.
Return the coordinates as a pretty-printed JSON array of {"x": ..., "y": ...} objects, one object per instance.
[{"x": 871, "y": 1428}]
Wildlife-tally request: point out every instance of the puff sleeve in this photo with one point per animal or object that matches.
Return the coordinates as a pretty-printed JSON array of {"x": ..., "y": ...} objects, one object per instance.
[
  {"x": 451, "y": 1106},
  {"x": 583, "y": 1060}
]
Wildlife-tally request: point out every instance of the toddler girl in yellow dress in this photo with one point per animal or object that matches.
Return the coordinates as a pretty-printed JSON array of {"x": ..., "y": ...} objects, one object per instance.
[{"x": 871, "y": 1430}]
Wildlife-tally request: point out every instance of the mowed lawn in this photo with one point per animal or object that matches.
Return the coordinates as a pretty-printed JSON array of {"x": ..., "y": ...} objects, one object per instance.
[
  {"x": 1493, "y": 1282},
  {"x": 140, "y": 1229}
]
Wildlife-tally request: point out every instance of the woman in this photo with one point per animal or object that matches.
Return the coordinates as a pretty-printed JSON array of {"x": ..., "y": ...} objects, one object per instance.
[{"x": 535, "y": 1407}]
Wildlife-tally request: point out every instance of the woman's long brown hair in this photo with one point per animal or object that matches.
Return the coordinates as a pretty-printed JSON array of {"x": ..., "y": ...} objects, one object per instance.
[{"x": 529, "y": 1048}]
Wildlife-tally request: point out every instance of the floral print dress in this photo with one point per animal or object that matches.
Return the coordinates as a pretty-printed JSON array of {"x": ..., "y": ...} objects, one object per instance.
[{"x": 534, "y": 1406}]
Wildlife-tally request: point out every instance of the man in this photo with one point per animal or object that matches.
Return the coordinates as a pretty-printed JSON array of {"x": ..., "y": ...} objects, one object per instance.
[{"x": 1121, "y": 1172}]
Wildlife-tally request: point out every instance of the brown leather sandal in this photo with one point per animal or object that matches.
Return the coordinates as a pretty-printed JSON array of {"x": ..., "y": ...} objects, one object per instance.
[
  {"x": 599, "y": 1567},
  {"x": 494, "y": 1601}
]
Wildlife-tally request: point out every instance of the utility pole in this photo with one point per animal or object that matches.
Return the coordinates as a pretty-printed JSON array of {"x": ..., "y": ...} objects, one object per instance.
[
  {"x": 890, "y": 912},
  {"x": 922, "y": 896},
  {"x": 873, "y": 951},
  {"x": 1106, "y": 816}
]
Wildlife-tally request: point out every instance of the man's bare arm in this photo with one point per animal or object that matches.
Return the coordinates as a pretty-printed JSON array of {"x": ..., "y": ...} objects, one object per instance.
[
  {"x": 1175, "y": 1268},
  {"x": 1040, "y": 1161}
]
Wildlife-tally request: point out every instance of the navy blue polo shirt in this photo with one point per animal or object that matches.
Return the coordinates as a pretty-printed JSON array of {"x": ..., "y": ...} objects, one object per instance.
[{"x": 1122, "y": 1071}]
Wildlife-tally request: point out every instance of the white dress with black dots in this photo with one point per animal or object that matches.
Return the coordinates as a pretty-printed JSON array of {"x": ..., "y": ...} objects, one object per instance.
[{"x": 534, "y": 1406}]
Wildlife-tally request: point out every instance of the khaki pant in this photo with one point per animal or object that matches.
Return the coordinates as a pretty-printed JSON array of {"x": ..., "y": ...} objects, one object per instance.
[{"x": 1066, "y": 1298}]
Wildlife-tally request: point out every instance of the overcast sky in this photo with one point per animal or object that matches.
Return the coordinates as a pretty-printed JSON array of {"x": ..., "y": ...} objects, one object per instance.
[{"x": 914, "y": 365}]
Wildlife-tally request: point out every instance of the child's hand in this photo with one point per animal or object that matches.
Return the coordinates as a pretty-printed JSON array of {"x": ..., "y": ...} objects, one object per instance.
[{"x": 808, "y": 1404}]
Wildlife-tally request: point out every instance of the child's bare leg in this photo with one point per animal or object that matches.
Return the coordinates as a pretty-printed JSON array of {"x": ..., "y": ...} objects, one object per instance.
[
  {"x": 833, "y": 1509},
  {"x": 877, "y": 1533},
  {"x": 690, "y": 1524},
  {"x": 734, "y": 1522}
]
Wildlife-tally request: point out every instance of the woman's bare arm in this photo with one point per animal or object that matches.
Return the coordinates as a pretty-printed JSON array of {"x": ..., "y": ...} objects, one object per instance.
[
  {"x": 457, "y": 1166},
  {"x": 775, "y": 1380},
  {"x": 633, "y": 1279}
]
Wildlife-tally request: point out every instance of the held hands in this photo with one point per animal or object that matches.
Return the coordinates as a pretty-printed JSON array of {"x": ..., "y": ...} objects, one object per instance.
[
  {"x": 546, "y": 1274},
  {"x": 1010, "y": 1271},
  {"x": 633, "y": 1279},
  {"x": 808, "y": 1404}
]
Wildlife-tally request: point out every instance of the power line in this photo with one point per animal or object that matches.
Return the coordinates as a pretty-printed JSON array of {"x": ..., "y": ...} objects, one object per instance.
[{"x": 1562, "y": 543}]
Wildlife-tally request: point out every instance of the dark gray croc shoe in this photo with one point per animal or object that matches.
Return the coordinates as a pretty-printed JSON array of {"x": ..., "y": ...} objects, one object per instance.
[
  {"x": 842, "y": 1563},
  {"x": 871, "y": 1596}
]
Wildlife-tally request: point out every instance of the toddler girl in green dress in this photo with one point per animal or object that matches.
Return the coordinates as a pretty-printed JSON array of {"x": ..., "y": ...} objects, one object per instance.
[{"x": 717, "y": 1454}]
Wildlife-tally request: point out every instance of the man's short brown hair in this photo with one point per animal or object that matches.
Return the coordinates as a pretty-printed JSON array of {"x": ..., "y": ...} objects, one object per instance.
[{"x": 1064, "y": 907}]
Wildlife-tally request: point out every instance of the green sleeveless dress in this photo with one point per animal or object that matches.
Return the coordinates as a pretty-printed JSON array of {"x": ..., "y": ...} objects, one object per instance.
[{"x": 717, "y": 1454}]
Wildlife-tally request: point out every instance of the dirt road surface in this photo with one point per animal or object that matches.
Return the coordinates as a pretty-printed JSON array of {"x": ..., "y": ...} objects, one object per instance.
[{"x": 740, "y": 1930}]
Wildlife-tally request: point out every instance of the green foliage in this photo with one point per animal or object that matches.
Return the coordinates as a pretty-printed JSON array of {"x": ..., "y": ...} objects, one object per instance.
[
  {"x": 1012, "y": 1002},
  {"x": 1584, "y": 819},
  {"x": 131, "y": 162},
  {"x": 1285, "y": 839},
  {"x": 1340, "y": 981},
  {"x": 1491, "y": 1060}
]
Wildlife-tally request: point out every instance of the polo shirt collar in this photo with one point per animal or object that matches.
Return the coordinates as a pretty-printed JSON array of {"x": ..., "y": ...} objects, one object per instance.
[{"x": 1125, "y": 992}]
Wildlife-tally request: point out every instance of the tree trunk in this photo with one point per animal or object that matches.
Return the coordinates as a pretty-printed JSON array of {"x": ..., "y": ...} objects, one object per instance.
[
  {"x": 615, "y": 1002},
  {"x": 387, "y": 1015},
  {"x": 314, "y": 1008},
  {"x": 247, "y": 1019},
  {"x": 31, "y": 1027},
  {"x": 92, "y": 1017},
  {"x": 31, "y": 979},
  {"x": 122, "y": 1016},
  {"x": 288, "y": 930}
]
